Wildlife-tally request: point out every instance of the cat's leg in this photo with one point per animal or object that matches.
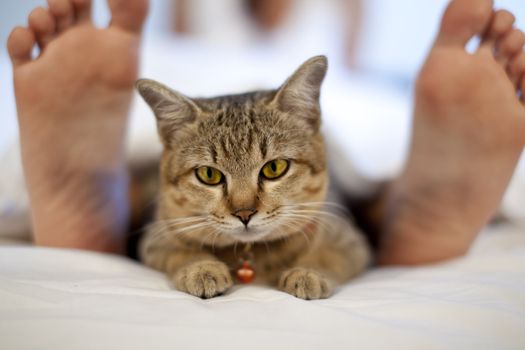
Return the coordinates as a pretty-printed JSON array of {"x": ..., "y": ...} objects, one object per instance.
[
  {"x": 337, "y": 254},
  {"x": 191, "y": 269},
  {"x": 72, "y": 102},
  {"x": 468, "y": 134}
]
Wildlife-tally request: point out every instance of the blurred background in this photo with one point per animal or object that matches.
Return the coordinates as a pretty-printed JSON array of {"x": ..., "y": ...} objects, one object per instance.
[
  {"x": 379, "y": 36},
  {"x": 212, "y": 47},
  {"x": 208, "y": 47}
]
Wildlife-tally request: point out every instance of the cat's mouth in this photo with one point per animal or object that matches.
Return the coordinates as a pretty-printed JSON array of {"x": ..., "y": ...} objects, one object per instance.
[
  {"x": 250, "y": 233},
  {"x": 260, "y": 231}
]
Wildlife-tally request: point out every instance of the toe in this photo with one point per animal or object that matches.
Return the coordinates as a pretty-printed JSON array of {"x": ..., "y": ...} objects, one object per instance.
[
  {"x": 501, "y": 23},
  {"x": 82, "y": 9},
  {"x": 62, "y": 10},
  {"x": 511, "y": 44},
  {"x": 464, "y": 19},
  {"x": 517, "y": 70},
  {"x": 20, "y": 44},
  {"x": 128, "y": 15},
  {"x": 43, "y": 25}
]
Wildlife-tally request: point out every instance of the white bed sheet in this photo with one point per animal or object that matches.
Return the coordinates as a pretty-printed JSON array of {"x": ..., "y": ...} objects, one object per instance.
[{"x": 67, "y": 299}]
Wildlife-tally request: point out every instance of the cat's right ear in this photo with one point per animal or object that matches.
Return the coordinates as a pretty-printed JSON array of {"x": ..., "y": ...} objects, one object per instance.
[{"x": 172, "y": 109}]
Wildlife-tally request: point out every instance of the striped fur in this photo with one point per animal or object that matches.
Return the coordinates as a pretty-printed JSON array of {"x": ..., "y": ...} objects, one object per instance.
[{"x": 298, "y": 245}]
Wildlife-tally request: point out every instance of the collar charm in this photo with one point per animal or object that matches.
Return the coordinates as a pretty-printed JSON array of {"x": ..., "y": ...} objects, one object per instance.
[{"x": 246, "y": 273}]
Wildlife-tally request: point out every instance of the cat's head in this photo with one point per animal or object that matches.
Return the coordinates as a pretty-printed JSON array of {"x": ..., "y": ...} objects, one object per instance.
[{"x": 241, "y": 167}]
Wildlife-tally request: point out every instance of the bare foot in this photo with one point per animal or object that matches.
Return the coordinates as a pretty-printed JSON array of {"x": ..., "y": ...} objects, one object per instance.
[
  {"x": 72, "y": 103},
  {"x": 468, "y": 134}
]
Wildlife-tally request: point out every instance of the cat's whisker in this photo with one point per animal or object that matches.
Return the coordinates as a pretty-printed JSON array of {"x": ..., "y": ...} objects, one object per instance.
[
  {"x": 235, "y": 248},
  {"x": 319, "y": 203},
  {"x": 164, "y": 231},
  {"x": 285, "y": 233},
  {"x": 322, "y": 222},
  {"x": 322, "y": 206},
  {"x": 158, "y": 238},
  {"x": 159, "y": 230},
  {"x": 267, "y": 247},
  {"x": 170, "y": 227},
  {"x": 174, "y": 223},
  {"x": 307, "y": 215},
  {"x": 318, "y": 212},
  {"x": 161, "y": 237},
  {"x": 194, "y": 227},
  {"x": 205, "y": 238},
  {"x": 166, "y": 225},
  {"x": 216, "y": 234},
  {"x": 303, "y": 223},
  {"x": 305, "y": 219},
  {"x": 298, "y": 228},
  {"x": 308, "y": 219},
  {"x": 284, "y": 237},
  {"x": 170, "y": 231},
  {"x": 181, "y": 219}
]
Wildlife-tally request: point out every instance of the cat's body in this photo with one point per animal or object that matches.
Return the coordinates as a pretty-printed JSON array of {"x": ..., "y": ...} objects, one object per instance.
[{"x": 245, "y": 177}]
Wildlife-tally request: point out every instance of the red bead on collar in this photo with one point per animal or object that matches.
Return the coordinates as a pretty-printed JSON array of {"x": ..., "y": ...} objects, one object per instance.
[{"x": 245, "y": 273}]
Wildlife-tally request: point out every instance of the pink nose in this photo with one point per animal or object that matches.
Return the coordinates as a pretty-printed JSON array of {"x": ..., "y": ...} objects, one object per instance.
[{"x": 245, "y": 214}]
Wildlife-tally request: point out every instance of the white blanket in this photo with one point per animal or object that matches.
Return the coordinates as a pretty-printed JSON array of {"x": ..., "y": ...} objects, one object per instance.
[{"x": 67, "y": 299}]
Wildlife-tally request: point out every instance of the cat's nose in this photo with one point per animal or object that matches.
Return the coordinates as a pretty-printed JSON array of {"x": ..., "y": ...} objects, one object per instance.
[{"x": 245, "y": 214}]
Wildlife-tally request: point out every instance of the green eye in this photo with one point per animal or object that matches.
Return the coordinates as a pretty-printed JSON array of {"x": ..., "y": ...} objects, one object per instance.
[
  {"x": 209, "y": 175},
  {"x": 274, "y": 169}
]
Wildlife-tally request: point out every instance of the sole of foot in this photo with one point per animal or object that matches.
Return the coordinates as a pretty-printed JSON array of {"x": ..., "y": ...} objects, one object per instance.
[
  {"x": 72, "y": 104},
  {"x": 468, "y": 134}
]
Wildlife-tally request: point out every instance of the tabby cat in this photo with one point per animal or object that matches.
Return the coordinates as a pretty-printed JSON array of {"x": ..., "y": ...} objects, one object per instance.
[{"x": 243, "y": 184}]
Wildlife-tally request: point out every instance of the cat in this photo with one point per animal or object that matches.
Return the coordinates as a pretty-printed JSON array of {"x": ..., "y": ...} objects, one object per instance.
[{"x": 243, "y": 185}]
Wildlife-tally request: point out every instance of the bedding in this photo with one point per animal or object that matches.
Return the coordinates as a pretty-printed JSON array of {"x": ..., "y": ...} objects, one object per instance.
[{"x": 67, "y": 299}]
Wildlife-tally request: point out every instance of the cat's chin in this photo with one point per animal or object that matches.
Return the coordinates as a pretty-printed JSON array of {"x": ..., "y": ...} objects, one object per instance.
[{"x": 249, "y": 235}]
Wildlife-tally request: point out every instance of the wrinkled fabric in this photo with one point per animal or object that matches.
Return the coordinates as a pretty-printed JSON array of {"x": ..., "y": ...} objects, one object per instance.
[{"x": 68, "y": 299}]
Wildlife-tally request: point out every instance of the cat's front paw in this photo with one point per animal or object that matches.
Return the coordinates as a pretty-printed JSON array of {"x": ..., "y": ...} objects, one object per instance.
[
  {"x": 305, "y": 283},
  {"x": 204, "y": 279}
]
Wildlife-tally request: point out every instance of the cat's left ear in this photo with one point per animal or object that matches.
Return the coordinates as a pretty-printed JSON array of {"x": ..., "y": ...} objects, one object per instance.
[{"x": 299, "y": 95}]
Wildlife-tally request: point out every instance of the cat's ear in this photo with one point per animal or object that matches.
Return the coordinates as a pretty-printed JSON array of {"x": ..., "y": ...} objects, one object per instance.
[
  {"x": 299, "y": 95},
  {"x": 172, "y": 109}
]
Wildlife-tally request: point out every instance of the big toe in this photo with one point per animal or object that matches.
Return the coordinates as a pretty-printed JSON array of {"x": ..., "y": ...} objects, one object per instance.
[
  {"x": 464, "y": 19},
  {"x": 128, "y": 14}
]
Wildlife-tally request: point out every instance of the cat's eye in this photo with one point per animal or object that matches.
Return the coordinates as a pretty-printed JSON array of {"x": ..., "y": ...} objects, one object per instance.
[
  {"x": 274, "y": 169},
  {"x": 209, "y": 175}
]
